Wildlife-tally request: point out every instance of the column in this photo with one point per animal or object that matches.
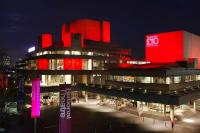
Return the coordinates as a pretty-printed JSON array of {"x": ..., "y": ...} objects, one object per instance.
[
  {"x": 164, "y": 109},
  {"x": 86, "y": 97},
  {"x": 77, "y": 97},
  {"x": 165, "y": 114},
  {"x": 194, "y": 106},
  {"x": 116, "y": 103},
  {"x": 139, "y": 107},
  {"x": 172, "y": 112}
]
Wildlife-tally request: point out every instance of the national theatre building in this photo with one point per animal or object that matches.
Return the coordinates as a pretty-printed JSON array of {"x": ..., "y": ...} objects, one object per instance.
[{"x": 85, "y": 57}]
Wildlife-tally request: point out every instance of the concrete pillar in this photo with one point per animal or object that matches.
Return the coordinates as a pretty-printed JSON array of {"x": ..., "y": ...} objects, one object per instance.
[
  {"x": 98, "y": 97},
  {"x": 86, "y": 97},
  {"x": 77, "y": 97},
  {"x": 172, "y": 112},
  {"x": 165, "y": 109},
  {"x": 138, "y": 105},
  {"x": 139, "y": 108},
  {"x": 194, "y": 106},
  {"x": 72, "y": 80},
  {"x": 147, "y": 105},
  {"x": 116, "y": 104}
]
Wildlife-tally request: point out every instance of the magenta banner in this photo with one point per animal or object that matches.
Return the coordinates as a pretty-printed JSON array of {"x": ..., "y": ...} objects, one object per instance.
[
  {"x": 35, "y": 109},
  {"x": 65, "y": 109}
]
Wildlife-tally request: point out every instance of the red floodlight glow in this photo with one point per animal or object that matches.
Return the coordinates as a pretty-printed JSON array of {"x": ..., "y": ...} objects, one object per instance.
[
  {"x": 106, "y": 31},
  {"x": 165, "y": 47},
  {"x": 66, "y": 36},
  {"x": 46, "y": 40},
  {"x": 73, "y": 64},
  {"x": 43, "y": 64},
  {"x": 125, "y": 65},
  {"x": 90, "y": 29}
]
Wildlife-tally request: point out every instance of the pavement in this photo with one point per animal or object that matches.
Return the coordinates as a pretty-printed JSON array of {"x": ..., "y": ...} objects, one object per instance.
[
  {"x": 190, "y": 122},
  {"x": 92, "y": 117},
  {"x": 14, "y": 123}
]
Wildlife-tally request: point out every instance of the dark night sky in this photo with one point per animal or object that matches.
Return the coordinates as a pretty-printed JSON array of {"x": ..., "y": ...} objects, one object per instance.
[{"x": 21, "y": 21}]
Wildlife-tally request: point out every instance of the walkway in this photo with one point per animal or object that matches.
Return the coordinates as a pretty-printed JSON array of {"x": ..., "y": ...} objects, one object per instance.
[{"x": 148, "y": 123}]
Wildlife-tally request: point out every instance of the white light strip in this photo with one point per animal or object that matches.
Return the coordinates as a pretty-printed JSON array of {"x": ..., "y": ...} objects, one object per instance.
[{"x": 31, "y": 49}]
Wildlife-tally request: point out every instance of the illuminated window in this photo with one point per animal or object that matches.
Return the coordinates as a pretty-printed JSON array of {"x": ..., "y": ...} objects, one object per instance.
[
  {"x": 198, "y": 77},
  {"x": 168, "y": 80},
  {"x": 177, "y": 79},
  {"x": 76, "y": 53},
  {"x": 90, "y": 53},
  {"x": 67, "y": 52},
  {"x": 89, "y": 64},
  {"x": 45, "y": 52}
]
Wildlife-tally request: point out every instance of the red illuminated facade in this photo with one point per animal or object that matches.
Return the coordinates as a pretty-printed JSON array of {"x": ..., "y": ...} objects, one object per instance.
[
  {"x": 89, "y": 29},
  {"x": 66, "y": 35},
  {"x": 171, "y": 47},
  {"x": 43, "y": 64},
  {"x": 73, "y": 64},
  {"x": 85, "y": 45},
  {"x": 164, "y": 47},
  {"x": 46, "y": 40},
  {"x": 106, "y": 31}
]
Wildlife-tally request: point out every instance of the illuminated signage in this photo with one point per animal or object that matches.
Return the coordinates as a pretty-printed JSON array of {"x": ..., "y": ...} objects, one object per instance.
[
  {"x": 35, "y": 110},
  {"x": 65, "y": 109},
  {"x": 31, "y": 49},
  {"x": 152, "y": 41},
  {"x": 165, "y": 47}
]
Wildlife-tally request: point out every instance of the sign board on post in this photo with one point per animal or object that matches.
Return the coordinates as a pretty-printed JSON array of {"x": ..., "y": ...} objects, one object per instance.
[
  {"x": 65, "y": 109},
  {"x": 35, "y": 110}
]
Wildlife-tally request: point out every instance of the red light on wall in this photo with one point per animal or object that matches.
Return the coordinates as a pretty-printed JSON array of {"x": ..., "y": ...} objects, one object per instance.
[
  {"x": 164, "y": 47},
  {"x": 77, "y": 64},
  {"x": 42, "y": 64},
  {"x": 90, "y": 29},
  {"x": 66, "y": 36},
  {"x": 73, "y": 64},
  {"x": 125, "y": 52},
  {"x": 46, "y": 40},
  {"x": 125, "y": 58},
  {"x": 198, "y": 63},
  {"x": 125, "y": 65},
  {"x": 68, "y": 64},
  {"x": 106, "y": 31}
]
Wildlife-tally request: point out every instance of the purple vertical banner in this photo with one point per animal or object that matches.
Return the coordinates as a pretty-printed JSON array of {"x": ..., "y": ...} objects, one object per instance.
[
  {"x": 65, "y": 109},
  {"x": 35, "y": 109}
]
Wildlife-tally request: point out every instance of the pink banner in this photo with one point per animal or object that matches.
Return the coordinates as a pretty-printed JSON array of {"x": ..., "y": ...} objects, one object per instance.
[
  {"x": 65, "y": 109},
  {"x": 35, "y": 110}
]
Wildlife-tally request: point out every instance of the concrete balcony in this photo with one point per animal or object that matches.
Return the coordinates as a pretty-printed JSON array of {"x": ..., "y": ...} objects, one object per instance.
[{"x": 155, "y": 87}]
